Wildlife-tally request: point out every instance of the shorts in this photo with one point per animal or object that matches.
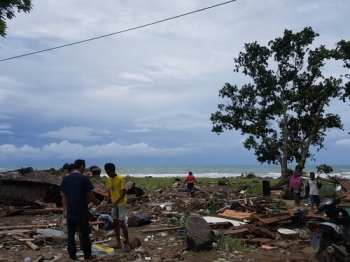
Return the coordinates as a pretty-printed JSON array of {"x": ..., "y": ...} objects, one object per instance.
[
  {"x": 314, "y": 199},
  {"x": 118, "y": 213}
]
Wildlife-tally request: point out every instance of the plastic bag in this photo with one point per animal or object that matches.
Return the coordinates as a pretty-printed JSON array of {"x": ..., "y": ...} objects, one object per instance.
[
  {"x": 107, "y": 221},
  {"x": 97, "y": 250}
]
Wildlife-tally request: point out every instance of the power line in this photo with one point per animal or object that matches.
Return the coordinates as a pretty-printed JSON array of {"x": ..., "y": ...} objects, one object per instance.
[{"x": 116, "y": 33}]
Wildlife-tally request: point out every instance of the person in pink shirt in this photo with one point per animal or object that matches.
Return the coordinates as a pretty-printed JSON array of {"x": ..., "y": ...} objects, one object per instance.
[
  {"x": 296, "y": 183},
  {"x": 190, "y": 180}
]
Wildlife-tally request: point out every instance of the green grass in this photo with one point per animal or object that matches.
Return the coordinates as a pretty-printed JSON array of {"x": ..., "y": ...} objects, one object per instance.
[
  {"x": 233, "y": 244},
  {"x": 154, "y": 183}
]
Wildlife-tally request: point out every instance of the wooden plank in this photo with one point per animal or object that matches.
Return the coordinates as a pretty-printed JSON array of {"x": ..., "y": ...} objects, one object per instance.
[
  {"x": 276, "y": 192},
  {"x": 232, "y": 214},
  {"x": 95, "y": 222},
  {"x": 270, "y": 220},
  {"x": 27, "y": 243}
]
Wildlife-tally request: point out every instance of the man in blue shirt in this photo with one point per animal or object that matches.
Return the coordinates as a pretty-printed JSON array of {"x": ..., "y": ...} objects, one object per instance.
[{"x": 76, "y": 190}]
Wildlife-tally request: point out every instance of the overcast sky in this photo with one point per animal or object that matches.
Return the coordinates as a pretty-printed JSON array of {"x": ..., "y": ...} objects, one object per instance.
[{"x": 143, "y": 96}]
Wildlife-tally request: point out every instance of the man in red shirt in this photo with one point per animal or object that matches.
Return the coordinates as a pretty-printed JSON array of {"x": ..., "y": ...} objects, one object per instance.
[{"x": 190, "y": 180}]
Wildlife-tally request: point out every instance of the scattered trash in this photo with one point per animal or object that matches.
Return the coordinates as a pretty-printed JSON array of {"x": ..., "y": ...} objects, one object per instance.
[{"x": 101, "y": 251}]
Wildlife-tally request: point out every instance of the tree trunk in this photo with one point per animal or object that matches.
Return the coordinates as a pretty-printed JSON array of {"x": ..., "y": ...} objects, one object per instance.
[{"x": 285, "y": 176}]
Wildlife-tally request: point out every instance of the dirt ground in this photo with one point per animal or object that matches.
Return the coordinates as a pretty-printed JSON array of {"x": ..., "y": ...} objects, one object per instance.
[{"x": 159, "y": 245}]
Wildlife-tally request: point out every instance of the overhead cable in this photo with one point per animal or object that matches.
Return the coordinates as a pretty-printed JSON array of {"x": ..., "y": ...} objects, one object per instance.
[{"x": 116, "y": 33}]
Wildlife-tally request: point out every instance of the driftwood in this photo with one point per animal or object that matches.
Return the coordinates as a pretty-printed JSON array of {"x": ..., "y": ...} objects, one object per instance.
[
  {"x": 27, "y": 243},
  {"x": 201, "y": 190}
]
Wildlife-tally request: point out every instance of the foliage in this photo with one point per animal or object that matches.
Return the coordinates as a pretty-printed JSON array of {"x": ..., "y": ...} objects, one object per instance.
[
  {"x": 233, "y": 244},
  {"x": 211, "y": 206},
  {"x": 7, "y": 11},
  {"x": 283, "y": 111},
  {"x": 248, "y": 175},
  {"x": 342, "y": 52},
  {"x": 324, "y": 169},
  {"x": 282, "y": 204},
  {"x": 176, "y": 222}
]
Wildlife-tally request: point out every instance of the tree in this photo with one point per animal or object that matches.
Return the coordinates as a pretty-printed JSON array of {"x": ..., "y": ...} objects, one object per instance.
[
  {"x": 7, "y": 11},
  {"x": 283, "y": 111},
  {"x": 324, "y": 169}
]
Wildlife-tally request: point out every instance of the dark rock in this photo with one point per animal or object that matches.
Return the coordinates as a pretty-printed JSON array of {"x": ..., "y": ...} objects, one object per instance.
[{"x": 199, "y": 234}]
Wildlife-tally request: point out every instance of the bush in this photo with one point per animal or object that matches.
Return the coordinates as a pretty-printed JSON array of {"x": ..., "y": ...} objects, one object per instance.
[
  {"x": 233, "y": 244},
  {"x": 248, "y": 175}
]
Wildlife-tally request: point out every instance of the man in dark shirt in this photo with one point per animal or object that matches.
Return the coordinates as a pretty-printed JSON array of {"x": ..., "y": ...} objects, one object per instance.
[{"x": 76, "y": 190}]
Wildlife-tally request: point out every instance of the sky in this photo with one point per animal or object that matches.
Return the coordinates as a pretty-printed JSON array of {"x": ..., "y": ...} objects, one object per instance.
[{"x": 145, "y": 96}]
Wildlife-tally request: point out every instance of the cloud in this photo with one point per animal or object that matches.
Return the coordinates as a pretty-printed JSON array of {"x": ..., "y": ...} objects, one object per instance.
[
  {"x": 4, "y": 129},
  {"x": 76, "y": 134},
  {"x": 5, "y": 126},
  {"x": 175, "y": 120},
  {"x": 136, "y": 77},
  {"x": 343, "y": 142},
  {"x": 66, "y": 150},
  {"x": 143, "y": 130}
]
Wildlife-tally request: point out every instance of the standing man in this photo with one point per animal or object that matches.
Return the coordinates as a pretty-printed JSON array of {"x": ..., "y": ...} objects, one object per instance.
[
  {"x": 117, "y": 197},
  {"x": 190, "y": 180},
  {"x": 296, "y": 183},
  {"x": 76, "y": 190},
  {"x": 311, "y": 190}
]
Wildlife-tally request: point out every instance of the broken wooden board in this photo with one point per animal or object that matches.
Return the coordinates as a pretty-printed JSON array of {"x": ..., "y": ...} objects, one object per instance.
[
  {"x": 237, "y": 233},
  {"x": 276, "y": 192},
  {"x": 232, "y": 214},
  {"x": 273, "y": 219}
]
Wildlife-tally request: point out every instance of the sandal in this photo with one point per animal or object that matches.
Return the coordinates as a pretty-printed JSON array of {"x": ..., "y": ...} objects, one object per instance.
[
  {"x": 127, "y": 249},
  {"x": 117, "y": 247}
]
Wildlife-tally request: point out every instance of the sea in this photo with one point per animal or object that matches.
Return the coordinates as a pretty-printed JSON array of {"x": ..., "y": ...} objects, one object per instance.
[{"x": 211, "y": 171}]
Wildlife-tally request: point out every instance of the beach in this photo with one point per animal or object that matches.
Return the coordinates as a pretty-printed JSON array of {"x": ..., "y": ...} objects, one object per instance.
[{"x": 212, "y": 171}]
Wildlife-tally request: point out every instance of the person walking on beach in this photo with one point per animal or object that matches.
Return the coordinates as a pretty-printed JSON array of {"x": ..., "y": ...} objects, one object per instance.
[
  {"x": 296, "y": 184},
  {"x": 76, "y": 190},
  {"x": 118, "y": 199},
  {"x": 190, "y": 180},
  {"x": 311, "y": 189}
]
